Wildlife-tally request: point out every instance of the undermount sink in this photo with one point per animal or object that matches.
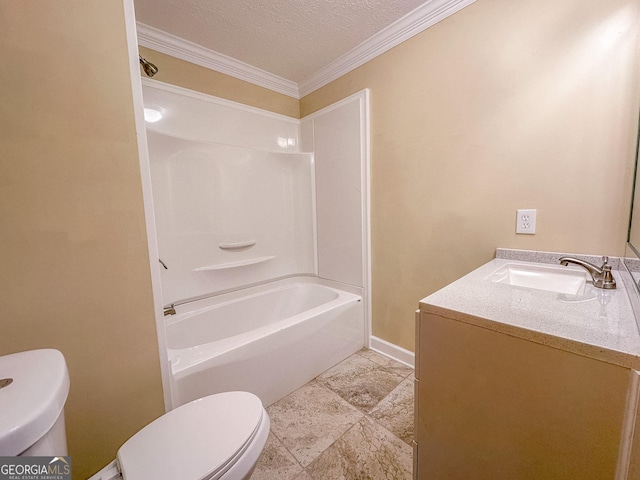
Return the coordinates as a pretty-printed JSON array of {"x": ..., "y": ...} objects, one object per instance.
[{"x": 541, "y": 277}]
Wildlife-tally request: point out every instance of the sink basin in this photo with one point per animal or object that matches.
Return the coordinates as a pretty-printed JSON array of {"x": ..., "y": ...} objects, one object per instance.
[{"x": 541, "y": 277}]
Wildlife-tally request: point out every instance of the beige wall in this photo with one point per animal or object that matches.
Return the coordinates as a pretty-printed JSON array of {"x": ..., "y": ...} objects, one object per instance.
[
  {"x": 73, "y": 254},
  {"x": 188, "y": 75},
  {"x": 504, "y": 105}
]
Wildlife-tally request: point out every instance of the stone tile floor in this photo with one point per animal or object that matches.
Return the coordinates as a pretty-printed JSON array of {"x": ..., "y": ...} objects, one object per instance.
[{"x": 355, "y": 421}]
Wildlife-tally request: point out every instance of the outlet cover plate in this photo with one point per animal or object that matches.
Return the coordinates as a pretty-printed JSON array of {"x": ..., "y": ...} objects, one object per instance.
[{"x": 526, "y": 221}]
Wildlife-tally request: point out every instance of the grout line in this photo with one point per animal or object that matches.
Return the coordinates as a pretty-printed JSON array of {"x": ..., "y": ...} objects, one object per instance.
[
  {"x": 388, "y": 358},
  {"x": 287, "y": 449},
  {"x": 386, "y": 429}
]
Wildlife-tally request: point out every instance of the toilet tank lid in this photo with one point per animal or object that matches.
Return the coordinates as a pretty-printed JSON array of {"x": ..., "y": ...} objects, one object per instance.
[
  {"x": 36, "y": 388},
  {"x": 196, "y": 441}
]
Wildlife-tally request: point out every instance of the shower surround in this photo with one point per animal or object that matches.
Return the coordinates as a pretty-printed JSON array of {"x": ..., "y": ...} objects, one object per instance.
[{"x": 264, "y": 245}]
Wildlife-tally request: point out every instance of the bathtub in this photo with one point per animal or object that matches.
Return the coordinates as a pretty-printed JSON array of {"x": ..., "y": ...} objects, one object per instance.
[{"x": 268, "y": 340}]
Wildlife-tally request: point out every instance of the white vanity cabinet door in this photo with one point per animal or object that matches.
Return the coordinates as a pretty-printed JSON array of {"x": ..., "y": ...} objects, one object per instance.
[{"x": 492, "y": 406}]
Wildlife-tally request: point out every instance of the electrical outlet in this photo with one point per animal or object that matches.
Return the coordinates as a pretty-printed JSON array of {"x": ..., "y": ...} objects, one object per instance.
[{"x": 526, "y": 221}]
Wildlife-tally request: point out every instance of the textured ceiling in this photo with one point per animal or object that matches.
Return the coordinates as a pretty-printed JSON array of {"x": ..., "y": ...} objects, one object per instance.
[{"x": 290, "y": 38}]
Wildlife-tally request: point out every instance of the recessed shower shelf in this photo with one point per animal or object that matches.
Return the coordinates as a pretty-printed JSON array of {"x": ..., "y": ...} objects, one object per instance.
[{"x": 241, "y": 263}]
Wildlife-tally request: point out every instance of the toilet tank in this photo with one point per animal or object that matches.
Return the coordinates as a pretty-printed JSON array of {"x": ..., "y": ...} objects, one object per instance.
[{"x": 33, "y": 390}]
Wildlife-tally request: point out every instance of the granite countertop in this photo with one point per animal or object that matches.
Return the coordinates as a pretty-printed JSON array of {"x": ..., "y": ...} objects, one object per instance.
[{"x": 597, "y": 323}]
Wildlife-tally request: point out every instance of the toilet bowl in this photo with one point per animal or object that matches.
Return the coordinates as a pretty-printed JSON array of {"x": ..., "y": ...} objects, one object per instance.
[{"x": 216, "y": 437}]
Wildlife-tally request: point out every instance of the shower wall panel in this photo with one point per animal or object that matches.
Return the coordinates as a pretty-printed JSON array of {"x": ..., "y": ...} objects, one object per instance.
[
  {"x": 196, "y": 116},
  {"x": 229, "y": 216},
  {"x": 337, "y": 136}
]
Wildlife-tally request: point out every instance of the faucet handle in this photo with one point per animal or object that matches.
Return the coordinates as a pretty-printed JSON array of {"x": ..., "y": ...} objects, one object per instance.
[
  {"x": 607, "y": 278},
  {"x": 607, "y": 281}
]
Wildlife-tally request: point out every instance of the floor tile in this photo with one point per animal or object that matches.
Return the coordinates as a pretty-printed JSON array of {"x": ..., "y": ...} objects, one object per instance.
[
  {"x": 276, "y": 462},
  {"x": 395, "y": 411},
  {"x": 316, "y": 434},
  {"x": 310, "y": 419},
  {"x": 361, "y": 382},
  {"x": 386, "y": 362},
  {"x": 366, "y": 451}
]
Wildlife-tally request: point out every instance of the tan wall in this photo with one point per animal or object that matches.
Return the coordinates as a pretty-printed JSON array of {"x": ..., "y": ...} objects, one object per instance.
[
  {"x": 188, "y": 75},
  {"x": 504, "y": 105},
  {"x": 75, "y": 269}
]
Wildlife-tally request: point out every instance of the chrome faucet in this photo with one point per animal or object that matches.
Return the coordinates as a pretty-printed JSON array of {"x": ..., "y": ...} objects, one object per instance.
[
  {"x": 601, "y": 276},
  {"x": 170, "y": 310}
]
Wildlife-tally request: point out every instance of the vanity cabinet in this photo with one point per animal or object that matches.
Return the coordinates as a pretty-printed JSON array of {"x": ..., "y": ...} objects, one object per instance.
[{"x": 492, "y": 406}]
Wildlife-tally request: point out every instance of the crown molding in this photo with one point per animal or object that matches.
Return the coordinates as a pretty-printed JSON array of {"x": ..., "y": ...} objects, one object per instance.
[
  {"x": 414, "y": 22},
  {"x": 163, "y": 42}
]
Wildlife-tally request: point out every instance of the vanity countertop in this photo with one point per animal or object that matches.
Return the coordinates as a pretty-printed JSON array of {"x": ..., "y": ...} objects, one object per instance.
[{"x": 597, "y": 323}]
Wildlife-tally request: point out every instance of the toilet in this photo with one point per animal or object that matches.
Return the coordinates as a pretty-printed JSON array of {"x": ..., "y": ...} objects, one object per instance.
[{"x": 216, "y": 437}]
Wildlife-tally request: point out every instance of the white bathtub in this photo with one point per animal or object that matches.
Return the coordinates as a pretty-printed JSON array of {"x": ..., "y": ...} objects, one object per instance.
[{"x": 268, "y": 340}]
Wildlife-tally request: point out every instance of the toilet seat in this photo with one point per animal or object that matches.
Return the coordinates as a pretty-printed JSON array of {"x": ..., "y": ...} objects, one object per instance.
[{"x": 200, "y": 440}]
